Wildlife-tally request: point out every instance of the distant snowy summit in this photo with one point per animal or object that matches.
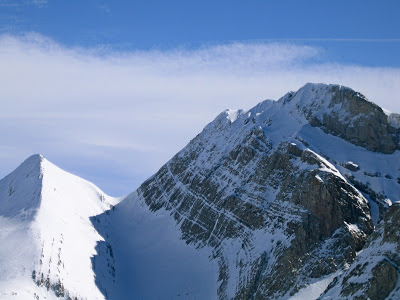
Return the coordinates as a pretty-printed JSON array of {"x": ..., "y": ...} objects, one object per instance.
[
  {"x": 293, "y": 199},
  {"x": 46, "y": 237}
]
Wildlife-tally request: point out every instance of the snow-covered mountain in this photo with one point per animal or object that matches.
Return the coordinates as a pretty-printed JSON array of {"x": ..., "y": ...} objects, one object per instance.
[
  {"x": 47, "y": 240},
  {"x": 294, "y": 199}
]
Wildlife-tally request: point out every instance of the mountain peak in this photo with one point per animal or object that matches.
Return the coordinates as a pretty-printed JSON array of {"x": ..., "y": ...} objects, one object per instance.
[
  {"x": 345, "y": 113},
  {"x": 52, "y": 211},
  {"x": 33, "y": 161},
  {"x": 20, "y": 190},
  {"x": 36, "y": 156},
  {"x": 348, "y": 114}
]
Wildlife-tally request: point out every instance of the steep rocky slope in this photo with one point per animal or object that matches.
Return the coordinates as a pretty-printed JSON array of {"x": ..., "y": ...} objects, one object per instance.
[
  {"x": 375, "y": 272},
  {"x": 282, "y": 193}
]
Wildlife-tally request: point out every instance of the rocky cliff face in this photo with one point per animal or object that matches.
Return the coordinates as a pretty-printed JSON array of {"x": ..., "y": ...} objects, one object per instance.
[
  {"x": 256, "y": 188},
  {"x": 352, "y": 117},
  {"x": 291, "y": 208},
  {"x": 374, "y": 273}
]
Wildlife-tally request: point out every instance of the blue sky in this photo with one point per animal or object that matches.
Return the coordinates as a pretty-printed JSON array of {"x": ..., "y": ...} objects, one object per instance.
[
  {"x": 365, "y": 32},
  {"x": 110, "y": 90}
]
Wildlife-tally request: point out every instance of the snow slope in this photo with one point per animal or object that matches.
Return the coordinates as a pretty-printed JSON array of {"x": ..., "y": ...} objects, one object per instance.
[
  {"x": 56, "y": 232},
  {"x": 149, "y": 258},
  {"x": 46, "y": 237}
]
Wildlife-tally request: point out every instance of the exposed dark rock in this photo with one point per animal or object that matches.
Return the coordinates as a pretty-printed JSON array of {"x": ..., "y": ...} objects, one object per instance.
[
  {"x": 319, "y": 209},
  {"x": 351, "y": 166},
  {"x": 358, "y": 121},
  {"x": 383, "y": 281},
  {"x": 375, "y": 272}
]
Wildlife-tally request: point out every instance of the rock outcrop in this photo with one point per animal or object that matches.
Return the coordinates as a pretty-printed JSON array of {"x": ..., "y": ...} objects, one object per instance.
[
  {"x": 345, "y": 113},
  {"x": 375, "y": 272}
]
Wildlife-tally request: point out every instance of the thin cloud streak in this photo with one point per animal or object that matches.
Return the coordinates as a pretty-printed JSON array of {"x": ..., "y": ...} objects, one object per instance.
[
  {"x": 129, "y": 112},
  {"x": 322, "y": 39}
]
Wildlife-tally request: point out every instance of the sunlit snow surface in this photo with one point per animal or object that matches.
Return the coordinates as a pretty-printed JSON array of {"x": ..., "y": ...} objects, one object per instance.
[
  {"x": 50, "y": 233},
  {"x": 314, "y": 290}
]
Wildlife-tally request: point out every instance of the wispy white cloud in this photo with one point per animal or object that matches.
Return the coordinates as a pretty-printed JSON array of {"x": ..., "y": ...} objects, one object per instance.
[
  {"x": 325, "y": 39},
  {"x": 104, "y": 8},
  {"x": 129, "y": 112},
  {"x": 13, "y": 3}
]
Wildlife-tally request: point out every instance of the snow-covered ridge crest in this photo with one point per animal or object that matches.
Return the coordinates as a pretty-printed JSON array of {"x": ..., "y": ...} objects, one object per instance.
[
  {"x": 320, "y": 98},
  {"x": 348, "y": 114}
]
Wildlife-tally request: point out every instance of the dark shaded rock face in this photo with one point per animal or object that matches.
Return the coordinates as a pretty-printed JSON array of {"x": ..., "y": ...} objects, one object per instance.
[
  {"x": 353, "y": 118},
  {"x": 383, "y": 281},
  {"x": 351, "y": 166},
  {"x": 375, "y": 272}
]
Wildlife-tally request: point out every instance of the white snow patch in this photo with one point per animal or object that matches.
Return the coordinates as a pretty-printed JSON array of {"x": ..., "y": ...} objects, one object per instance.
[
  {"x": 232, "y": 115},
  {"x": 327, "y": 166},
  {"x": 386, "y": 111},
  {"x": 388, "y": 202},
  {"x": 314, "y": 290},
  {"x": 352, "y": 227},
  {"x": 319, "y": 178}
]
